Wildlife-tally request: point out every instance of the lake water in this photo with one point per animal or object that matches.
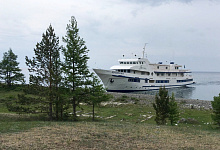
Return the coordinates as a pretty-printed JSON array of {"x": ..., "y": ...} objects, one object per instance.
[{"x": 207, "y": 86}]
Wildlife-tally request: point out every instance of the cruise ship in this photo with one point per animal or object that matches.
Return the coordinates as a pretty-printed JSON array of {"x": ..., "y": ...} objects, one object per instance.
[{"x": 140, "y": 75}]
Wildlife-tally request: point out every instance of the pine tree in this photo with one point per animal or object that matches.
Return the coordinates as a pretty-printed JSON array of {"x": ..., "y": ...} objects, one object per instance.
[
  {"x": 216, "y": 110},
  {"x": 9, "y": 70},
  {"x": 57, "y": 80},
  {"x": 161, "y": 106},
  {"x": 75, "y": 67},
  {"x": 45, "y": 65},
  {"x": 173, "y": 110},
  {"x": 97, "y": 95}
]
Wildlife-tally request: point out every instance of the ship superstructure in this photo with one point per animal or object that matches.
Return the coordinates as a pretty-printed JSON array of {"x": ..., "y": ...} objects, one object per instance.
[{"x": 140, "y": 75}]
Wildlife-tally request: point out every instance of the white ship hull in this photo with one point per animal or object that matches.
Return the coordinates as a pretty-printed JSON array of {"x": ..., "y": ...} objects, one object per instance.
[{"x": 115, "y": 81}]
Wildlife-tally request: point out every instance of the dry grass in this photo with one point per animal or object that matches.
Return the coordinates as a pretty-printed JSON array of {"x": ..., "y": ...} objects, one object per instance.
[{"x": 99, "y": 135}]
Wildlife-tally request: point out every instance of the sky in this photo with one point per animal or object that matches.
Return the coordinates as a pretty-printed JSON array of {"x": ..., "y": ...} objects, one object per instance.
[{"x": 184, "y": 31}]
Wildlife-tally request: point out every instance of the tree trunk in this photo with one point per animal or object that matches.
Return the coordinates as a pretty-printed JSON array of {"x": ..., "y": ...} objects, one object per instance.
[
  {"x": 73, "y": 84},
  {"x": 57, "y": 110},
  {"x": 61, "y": 111},
  {"x": 74, "y": 108},
  {"x": 93, "y": 112},
  {"x": 50, "y": 90}
]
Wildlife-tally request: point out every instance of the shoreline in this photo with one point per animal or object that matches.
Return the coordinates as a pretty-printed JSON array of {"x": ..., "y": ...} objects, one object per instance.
[{"x": 149, "y": 99}]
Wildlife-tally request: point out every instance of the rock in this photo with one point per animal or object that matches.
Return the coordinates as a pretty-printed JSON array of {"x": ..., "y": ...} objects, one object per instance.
[{"x": 149, "y": 99}]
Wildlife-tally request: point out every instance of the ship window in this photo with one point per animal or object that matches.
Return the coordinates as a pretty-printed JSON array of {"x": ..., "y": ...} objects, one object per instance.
[
  {"x": 133, "y": 80},
  {"x": 151, "y": 81},
  {"x": 166, "y": 67},
  {"x": 127, "y": 62},
  {"x": 188, "y": 80},
  {"x": 129, "y": 71},
  {"x": 130, "y": 62},
  {"x": 134, "y": 62},
  {"x": 158, "y": 67},
  {"x": 162, "y": 81},
  {"x": 152, "y": 73},
  {"x": 134, "y": 72},
  {"x": 158, "y": 74},
  {"x": 124, "y": 62},
  {"x": 142, "y": 73},
  {"x": 168, "y": 74},
  {"x": 121, "y": 62}
]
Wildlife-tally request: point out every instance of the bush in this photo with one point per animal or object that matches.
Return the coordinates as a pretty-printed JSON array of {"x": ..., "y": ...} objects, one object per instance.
[
  {"x": 161, "y": 106},
  {"x": 216, "y": 110},
  {"x": 173, "y": 110}
]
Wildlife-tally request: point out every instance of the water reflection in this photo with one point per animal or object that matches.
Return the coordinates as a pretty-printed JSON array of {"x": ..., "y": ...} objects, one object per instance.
[{"x": 181, "y": 92}]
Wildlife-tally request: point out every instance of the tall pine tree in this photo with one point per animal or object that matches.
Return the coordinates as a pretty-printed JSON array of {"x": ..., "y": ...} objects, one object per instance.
[
  {"x": 9, "y": 70},
  {"x": 44, "y": 67},
  {"x": 75, "y": 67}
]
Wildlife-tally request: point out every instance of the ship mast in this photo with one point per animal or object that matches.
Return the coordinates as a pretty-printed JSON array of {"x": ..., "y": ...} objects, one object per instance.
[{"x": 144, "y": 49}]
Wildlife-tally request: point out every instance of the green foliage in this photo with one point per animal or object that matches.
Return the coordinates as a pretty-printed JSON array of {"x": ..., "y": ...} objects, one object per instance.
[
  {"x": 216, "y": 109},
  {"x": 42, "y": 66},
  {"x": 97, "y": 94},
  {"x": 75, "y": 57},
  {"x": 25, "y": 104},
  {"x": 44, "y": 69},
  {"x": 173, "y": 110},
  {"x": 75, "y": 69},
  {"x": 161, "y": 106},
  {"x": 9, "y": 70}
]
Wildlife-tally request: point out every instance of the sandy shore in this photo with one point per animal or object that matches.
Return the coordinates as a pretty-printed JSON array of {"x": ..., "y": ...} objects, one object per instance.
[{"x": 149, "y": 99}]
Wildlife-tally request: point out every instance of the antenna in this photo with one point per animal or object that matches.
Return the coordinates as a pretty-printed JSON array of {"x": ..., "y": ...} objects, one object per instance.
[{"x": 144, "y": 49}]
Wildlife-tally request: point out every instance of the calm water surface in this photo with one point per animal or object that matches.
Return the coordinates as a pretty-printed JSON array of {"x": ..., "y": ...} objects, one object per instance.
[{"x": 207, "y": 86}]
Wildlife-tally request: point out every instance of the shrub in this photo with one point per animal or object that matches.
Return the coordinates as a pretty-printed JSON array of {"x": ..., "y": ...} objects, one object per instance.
[
  {"x": 173, "y": 110},
  {"x": 161, "y": 106},
  {"x": 216, "y": 110}
]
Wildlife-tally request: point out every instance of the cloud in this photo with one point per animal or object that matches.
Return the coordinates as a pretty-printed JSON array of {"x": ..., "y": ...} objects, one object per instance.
[
  {"x": 155, "y": 3},
  {"x": 173, "y": 28}
]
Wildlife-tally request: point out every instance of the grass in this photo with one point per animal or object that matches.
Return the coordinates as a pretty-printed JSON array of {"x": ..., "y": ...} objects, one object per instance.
[
  {"x": 110, "y": 135},
  {"x": 124, "y": 126}
]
